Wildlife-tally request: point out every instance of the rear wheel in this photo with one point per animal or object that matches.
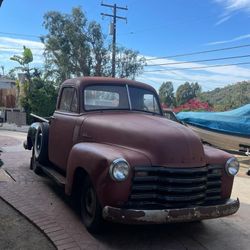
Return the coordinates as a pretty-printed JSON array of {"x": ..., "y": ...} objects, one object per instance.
[
  {"x": 33, "y": 164},
  {"x": 41, "y": 143},
  {"x": 91, "y": 211}
]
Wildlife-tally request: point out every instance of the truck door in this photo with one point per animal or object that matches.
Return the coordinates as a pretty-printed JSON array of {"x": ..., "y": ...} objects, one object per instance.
[{"x": 61, "y": 132}]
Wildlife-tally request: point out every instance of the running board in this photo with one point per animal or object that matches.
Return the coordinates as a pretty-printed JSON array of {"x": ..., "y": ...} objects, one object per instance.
[{"x": 54, "y": 175}]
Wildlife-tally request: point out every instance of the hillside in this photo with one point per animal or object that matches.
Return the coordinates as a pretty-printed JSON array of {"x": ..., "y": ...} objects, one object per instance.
[{"x": 229, "y": 97}]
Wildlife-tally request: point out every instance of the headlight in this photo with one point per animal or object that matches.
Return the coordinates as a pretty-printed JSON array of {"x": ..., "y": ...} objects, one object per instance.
[
  {"x": 119, "y": 169},
  {"x": 232, "y": 166}
]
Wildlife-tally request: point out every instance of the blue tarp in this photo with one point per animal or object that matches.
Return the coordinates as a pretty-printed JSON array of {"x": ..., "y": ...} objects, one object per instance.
[{"x": 235, "y": 121}]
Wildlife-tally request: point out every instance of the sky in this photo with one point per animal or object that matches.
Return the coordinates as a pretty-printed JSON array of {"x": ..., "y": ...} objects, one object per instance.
[{"x": 154, "y": 28}]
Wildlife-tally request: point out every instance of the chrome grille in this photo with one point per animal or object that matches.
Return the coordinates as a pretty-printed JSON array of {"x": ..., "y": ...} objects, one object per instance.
[{"x": 155, "y": 187}]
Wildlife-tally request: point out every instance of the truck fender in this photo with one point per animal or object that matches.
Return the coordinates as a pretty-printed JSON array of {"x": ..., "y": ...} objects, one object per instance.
[
  {"x": 95, "y": 159},
  {"x": 31, "y": 135}
]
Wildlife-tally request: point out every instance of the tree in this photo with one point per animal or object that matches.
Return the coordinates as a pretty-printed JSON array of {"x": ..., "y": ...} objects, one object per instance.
[
  {"x": 196, "y": 89},
  {"x": 24, "y": 61},
  {"x": 38, "y": 94},
  {"x": 229, "y": 97},
  {"x": 42, "y": 97},
  {"x": 166, "y": 93},
  {"x": 187, "y": 91},
  {"x": 67, "y": 50},
  {"x": 76, "y": 47},
  {"x": 128, "y": 63},
  {"x": 101, "y": 57}
]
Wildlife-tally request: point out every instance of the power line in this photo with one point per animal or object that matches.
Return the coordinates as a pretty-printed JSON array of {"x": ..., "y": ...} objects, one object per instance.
[
  {"x": 196, "y": 61},
  {"x": 179, "y": 75},
  {"x": 199, "y": 52},
  {"x": 18, "y": 34},
  {"x": 18, "y": 48},
  {"x": 201, "y": 67},
  {"x": 147, "y": 79},
  {"x": 155, "y": 58}
]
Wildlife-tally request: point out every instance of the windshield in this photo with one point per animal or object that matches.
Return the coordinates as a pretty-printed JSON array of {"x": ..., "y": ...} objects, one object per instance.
[
  {"x": 113, "y": 97},
  {"x": 101, "y": 97}
]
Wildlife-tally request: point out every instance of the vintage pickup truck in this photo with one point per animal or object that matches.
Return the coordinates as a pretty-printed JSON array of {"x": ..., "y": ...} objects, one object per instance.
[{"x": 109, "y": 145}]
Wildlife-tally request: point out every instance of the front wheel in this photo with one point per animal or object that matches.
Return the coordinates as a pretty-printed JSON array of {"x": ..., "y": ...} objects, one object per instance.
[{"x": 91, "y": 211}]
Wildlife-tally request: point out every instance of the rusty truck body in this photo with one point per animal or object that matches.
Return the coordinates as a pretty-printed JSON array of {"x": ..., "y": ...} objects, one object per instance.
[{"x": 109, "y": 145}]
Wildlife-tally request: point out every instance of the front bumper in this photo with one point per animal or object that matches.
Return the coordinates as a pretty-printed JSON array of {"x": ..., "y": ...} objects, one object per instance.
[{"x": 129, "y": 216}]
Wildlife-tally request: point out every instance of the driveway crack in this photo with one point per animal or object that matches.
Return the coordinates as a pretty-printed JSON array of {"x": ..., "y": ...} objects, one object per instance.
[{"x": 8, "y": 173}]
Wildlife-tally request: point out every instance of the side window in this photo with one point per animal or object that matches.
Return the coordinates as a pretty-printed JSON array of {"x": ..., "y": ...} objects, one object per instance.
[
  {"x": 150, "y": 103},
  {"x": 144, "y": 100},
  {"x": 68, "y": 100}
]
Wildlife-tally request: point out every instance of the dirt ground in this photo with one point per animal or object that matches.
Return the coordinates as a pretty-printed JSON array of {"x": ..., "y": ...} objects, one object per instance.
[{"x": 16, "y": 232}]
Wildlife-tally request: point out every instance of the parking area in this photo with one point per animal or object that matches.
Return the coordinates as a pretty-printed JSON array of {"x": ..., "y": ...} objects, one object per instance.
[{"x": 43, "y": 203}]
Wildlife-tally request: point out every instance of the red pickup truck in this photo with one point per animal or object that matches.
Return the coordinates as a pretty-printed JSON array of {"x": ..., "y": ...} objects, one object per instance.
[{"x": 109, "y": 145}]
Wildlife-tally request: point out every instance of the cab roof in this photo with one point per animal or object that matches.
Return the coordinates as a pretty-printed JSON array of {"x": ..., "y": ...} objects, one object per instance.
[{"x": 82, "y": 82}]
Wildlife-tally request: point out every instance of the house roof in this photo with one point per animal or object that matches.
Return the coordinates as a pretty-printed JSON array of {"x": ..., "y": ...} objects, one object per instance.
[{"x": 6, "y": 80}]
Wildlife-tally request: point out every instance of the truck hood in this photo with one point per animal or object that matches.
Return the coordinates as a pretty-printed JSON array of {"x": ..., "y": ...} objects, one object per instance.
[{"x": 162, "y": 141}]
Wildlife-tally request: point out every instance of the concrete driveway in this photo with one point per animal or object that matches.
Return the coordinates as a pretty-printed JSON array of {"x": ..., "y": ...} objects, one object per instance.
[{"x": 45, "y": 204}]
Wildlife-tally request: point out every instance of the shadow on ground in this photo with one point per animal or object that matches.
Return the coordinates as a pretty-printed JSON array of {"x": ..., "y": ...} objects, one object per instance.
[{"x": 223, "y": 233}]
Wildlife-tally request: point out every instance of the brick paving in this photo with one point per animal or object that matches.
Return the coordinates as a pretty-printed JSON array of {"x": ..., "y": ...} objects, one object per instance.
[
  {"x": 16, "y": 232},
  {"x": 45, "y": 205}
]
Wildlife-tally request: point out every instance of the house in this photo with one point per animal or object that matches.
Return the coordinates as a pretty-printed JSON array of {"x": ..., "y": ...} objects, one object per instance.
[
  {"x": 10, "y": 112},
  {"x": 7, "y": 83},
  {"x": 7, "y": 93}
]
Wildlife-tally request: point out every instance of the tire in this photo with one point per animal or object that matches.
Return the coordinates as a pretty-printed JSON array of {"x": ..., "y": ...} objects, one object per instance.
[
  {"x": 91, "y": 210},
  {"x": 33, "y": 164},
  {"x": 41, "y": 143},
  {"x": 248, "y": 172}
]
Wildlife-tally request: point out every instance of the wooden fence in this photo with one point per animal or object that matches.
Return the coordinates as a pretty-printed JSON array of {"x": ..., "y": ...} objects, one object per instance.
[
  {"x": 8, "y": 98},
  {"x": 17, "y": 117}
]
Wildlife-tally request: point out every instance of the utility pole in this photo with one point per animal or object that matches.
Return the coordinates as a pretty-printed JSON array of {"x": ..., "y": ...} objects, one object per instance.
[{"x": 113, "y": 29}]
